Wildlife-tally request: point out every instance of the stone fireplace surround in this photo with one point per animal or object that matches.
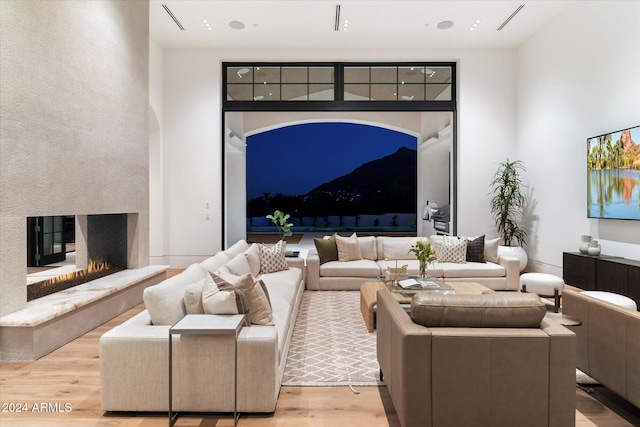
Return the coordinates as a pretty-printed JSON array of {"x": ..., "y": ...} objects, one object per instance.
[{"x": 49, "y": 322}]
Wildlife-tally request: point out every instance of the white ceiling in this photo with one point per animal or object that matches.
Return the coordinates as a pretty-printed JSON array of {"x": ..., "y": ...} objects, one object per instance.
[{"x": 373, "y": 24}]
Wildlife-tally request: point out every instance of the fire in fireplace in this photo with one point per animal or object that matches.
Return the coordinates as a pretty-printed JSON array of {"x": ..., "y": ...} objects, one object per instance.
[{"x": 96, "y": 269}]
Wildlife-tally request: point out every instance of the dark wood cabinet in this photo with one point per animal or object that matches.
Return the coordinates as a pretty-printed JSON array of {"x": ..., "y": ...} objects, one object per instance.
[
  {"x": 604, "y": 273},
  {"x": 579, "y": 270}
]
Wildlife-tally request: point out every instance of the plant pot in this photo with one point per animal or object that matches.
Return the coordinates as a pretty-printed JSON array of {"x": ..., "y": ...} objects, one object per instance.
[{"x": 515, "y": 252}]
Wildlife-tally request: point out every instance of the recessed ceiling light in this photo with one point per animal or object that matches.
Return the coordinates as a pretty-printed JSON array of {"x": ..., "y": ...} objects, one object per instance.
[
  {"x": 445, "y": 25},
  {"x": 236, "y": 25},
  {"x": 206, "y": 24},
  {"x": 258, "y": 98}
]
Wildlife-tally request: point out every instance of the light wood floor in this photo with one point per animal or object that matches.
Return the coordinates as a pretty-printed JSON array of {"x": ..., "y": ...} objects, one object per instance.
[{"x": 70, "y": 375}]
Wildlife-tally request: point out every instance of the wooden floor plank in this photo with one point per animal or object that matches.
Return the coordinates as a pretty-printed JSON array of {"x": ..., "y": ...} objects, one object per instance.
[{"x": 71, "y": 375}]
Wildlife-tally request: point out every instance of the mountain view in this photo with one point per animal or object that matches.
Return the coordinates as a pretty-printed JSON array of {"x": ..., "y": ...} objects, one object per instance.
[{"x": 381, "y": 186}]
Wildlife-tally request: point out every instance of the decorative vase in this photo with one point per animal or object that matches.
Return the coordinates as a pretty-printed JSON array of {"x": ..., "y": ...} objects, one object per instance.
[
  {"x": 423, "y": 269},
  {"x": 584, "y": 243},
  {"x": 594, "y": 248},
  {"x": 515, "y": 252}
]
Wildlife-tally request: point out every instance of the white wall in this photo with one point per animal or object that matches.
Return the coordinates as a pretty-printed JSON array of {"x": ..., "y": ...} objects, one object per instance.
[
  {"x": 192, "y": 133},
  {"x": 578, "y": 77}
]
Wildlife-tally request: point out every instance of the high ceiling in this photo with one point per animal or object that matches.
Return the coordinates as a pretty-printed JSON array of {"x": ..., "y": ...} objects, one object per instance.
[{"x": 371, "y": 24}]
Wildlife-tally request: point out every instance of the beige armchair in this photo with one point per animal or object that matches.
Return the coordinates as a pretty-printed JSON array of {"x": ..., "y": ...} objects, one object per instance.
[{"x": 476, "y": 376}]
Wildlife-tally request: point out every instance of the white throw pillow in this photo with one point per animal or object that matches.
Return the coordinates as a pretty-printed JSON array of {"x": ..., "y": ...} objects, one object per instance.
[
  {"x": 491, "y": 249},
  {"x": 260, "y": 312},
  {"x": 368, "y": 247},
  {"x": 215, "y": 301},
  {"x": 165, "y": 301},
  {"x": 348, "y": 248},
  {"x": 453, "y": 249},
  {"x": 213, "y": 263},
  {"x": 193, "y": 297},
  {"x": 253, "y": 258},
  {"x": 239, "y": 265}
]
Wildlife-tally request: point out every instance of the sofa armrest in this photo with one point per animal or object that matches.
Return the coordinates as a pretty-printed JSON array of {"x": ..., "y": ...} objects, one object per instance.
[
  {"x": 512, "y": 267},
  {"x": 313, "y": 270},
  {"x": 404, "y": 355},
  {"x": 562, "y": 363},
  {"x": 297, "y": 262}
]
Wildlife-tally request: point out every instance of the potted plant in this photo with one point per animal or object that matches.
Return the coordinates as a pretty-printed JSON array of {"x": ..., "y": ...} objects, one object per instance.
[
  {"x": 280, "y": 220},
  {"x": 425, "y": 254},
  {"x": 507, "y": 207}
]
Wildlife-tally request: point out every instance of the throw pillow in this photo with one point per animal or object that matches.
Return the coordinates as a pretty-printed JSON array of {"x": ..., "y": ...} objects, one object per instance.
[
  {"x": 475, "y": 250},
  {"x": 165, "y": 301},
  {"x": 260, "y": 312},
  {"x": 491, "y": 249},
  {"x": 326, "y": 248},
  {"x": 253, "y": 257},
  {"x": 272, "y": 258},
  {"x": 193, "y": 297},
  {"x": 453, "y": 249},
  {"x": 368, "y": 247},
  {"x": 221, "y": 285},
  {"x": 215, "y": 301},
  {"x": 239, "y": 265},
  {"x": 348, "y": 248}
]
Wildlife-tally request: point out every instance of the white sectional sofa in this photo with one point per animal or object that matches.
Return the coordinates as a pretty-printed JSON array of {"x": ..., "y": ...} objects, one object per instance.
[
  {"x": 379, "y": 253},
  {"x": 134, "y": 355}
]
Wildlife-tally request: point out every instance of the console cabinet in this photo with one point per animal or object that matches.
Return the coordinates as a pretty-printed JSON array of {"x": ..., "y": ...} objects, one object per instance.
[{"x": 603, "y": 273}]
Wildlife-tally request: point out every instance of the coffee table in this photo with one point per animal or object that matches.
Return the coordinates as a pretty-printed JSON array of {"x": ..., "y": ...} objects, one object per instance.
[{"x": 369, "y": 296}]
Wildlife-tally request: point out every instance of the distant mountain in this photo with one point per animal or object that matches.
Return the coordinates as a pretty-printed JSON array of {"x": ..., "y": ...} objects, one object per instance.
[{"x": 397, "y": 170}]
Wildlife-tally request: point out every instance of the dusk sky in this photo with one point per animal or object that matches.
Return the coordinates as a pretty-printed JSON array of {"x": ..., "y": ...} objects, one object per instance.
[{"x": 295, "y": 159}]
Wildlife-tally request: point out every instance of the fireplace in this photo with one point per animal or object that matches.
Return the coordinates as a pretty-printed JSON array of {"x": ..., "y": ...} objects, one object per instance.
[{"x": 105, "y": 243}]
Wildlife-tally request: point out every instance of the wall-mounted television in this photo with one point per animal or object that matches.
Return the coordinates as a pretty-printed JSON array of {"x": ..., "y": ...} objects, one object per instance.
[{"x": 613, "y": 175}]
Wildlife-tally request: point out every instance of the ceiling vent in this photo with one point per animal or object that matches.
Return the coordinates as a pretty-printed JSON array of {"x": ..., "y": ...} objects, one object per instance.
[
  {"x": 515, "y": 12},
  {"x": 336, "y": 25},
  {"x": 173, "y": 17}
]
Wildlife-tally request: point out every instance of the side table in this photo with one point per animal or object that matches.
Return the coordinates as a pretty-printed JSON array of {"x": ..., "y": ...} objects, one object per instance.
[{"x": 206, "y": 324}]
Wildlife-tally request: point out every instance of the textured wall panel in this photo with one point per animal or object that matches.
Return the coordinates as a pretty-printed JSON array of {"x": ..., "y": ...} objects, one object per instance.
[{"x": 74, "y": 117}]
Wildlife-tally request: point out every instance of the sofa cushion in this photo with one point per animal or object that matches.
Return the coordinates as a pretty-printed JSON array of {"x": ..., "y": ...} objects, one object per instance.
[
  {"x": 348, "y": 248},
  {"x": 237, "y": 248},
  {"x": 326, "y": 248},
  {"x": 491, "y": 249},
  {"x": 241, "y": 300},
  {"x": 368, "y": 247},
  {"x": 396, "y": 247},
  {"x": 193, "y": 298},
  {"x": 491, "y": 310},
  {"x": 475, "y": 249},
  {"x": 272, "y": 258},
  {"x": 165, "y": 301},
  {"x": 239, "y": 265},
  {"x": 253, "y": 258},
  {"x": 469, "y": 269},
  {"x": 283, "y": 283},
  {"x": 453, "y": 249},
  {"x": 359, "y": 268},
  {"x": 260, "y": 312},
  {"x": 215, "y": 262}
]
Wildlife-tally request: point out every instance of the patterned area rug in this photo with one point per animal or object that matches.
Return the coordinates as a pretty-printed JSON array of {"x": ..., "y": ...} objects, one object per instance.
[{"x": 330, "y": 344}]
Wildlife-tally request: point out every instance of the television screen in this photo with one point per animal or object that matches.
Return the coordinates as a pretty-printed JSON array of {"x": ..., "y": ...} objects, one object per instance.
[{"x": 613, "y": 175}]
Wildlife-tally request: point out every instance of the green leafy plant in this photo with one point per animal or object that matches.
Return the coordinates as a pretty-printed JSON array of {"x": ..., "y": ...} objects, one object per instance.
[
  {"x": 280, "y": 220},
  {"x": 508, "y": 202},
  {"x": 423, "y": 251},
  {"x": 425, "y": 254}
]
